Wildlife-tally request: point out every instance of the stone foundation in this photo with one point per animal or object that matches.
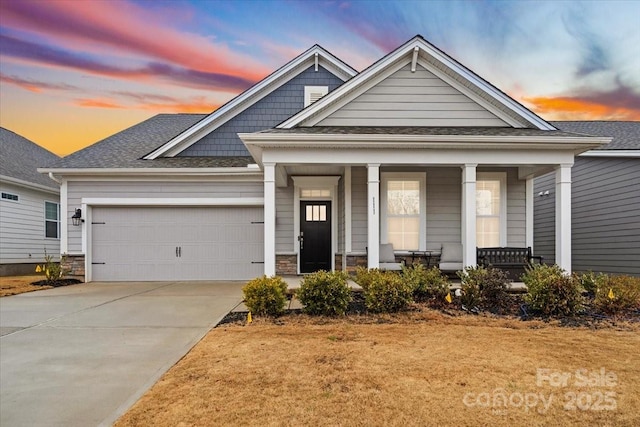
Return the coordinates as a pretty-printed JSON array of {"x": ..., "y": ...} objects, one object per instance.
[
  {"x": 286, "y": 265},
  {"x": 355, "y": 261},
  {"x": 74, "y": 264}
]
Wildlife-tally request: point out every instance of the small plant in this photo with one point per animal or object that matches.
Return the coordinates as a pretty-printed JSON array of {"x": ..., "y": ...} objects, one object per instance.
[
  {"x": 591, "y": 281},
  {"x": 386, "y": 292},
  {"x": 470, "y": 280},
  {"x": 552, "y": 292},
  {"x": 427, "y": 284},
  {"x": 52, "y": 270},
  {"x": 325, "y": 293},
  {"x": 365, "y": 276},
  {"x": 265, "y": 295},
  {"x": 617, "y": 294}
]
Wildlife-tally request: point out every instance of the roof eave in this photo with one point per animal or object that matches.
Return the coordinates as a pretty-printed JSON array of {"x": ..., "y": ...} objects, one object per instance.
[
  {"x": 27, "y": 184},
  {"x": 227, "y": 171}
]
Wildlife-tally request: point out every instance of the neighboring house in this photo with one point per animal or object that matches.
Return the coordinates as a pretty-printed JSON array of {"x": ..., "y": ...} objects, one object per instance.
[
  {"x": 29, "y": 207},
  {"x": 416, "y": 150},
  {"x": 605, "y": 202}
]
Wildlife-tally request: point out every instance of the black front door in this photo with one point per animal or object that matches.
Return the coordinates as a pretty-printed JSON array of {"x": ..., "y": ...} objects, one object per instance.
[{"x": 315, "y": 236}]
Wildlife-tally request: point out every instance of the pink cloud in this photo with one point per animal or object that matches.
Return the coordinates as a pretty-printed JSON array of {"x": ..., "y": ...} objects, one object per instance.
[
  {"x": 35, "y": 86},
  {"x": 125, "y": 26}
]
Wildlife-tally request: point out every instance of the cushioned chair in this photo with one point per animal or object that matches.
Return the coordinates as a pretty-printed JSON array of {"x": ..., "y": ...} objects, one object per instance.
[
  {"x": 388, "y": 258},
  {"x": 451, "y": 257}
]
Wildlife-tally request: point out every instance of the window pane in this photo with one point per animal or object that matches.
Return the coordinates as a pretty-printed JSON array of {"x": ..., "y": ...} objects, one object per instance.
[
  {"x": 323, "y": 213},
  {"x": 488, "y": 232},
  {"x": 51, "y": 229},
  {"x": 488, "y": 197},
  {"x": 51, "y": 211},
  {"x": 309, "y": 213},
  {"x": 403, "y": 197},
  {"x": 404, "y": 233}
]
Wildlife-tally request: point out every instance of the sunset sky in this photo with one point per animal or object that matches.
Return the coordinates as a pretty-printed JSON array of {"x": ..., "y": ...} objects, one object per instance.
[{"x": 73, "y": 72}]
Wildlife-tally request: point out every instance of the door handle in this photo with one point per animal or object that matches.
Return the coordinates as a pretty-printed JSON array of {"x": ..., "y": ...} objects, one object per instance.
[
  {"x": 176, "y": 252},
  {"x": 301, "y": 240},
  {"x": 180, "y": 251}
]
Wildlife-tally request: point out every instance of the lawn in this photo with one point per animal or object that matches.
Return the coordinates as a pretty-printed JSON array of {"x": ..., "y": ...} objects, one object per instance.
[
  {"x": 417, "y": 368},
  {"x": 14, "y": 285}
]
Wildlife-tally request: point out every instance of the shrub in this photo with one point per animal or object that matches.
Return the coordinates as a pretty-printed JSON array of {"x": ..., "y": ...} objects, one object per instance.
[
  {"x": 52, "y": 270},
  {"x": 325, "y": 293},
  {"x": 265, "y": 295},
  {"x": 551, "y": 292},
  {"x": 364, "y": 276},
  {"x": 470, "y": 280},
  {"x": 426, "y": 284},
  {"x": 484, "y": 288},
  {"x": 384, "y": 291},
  {"x": 617, "y": 294},
  {"x": 591, "y": 281}
]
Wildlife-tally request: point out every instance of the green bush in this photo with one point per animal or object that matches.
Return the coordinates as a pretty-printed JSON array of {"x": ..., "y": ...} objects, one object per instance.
[
  {"x": 484, "y": 288},
  {"x": 52, "y": 270},
  {"x": 426, "y": 284},
  {"x": 617, "y": 294},
  {"x": 265, "y": 295},
  {"x": 552, "y": 292},
  {"x": 384, "y": 291},
  {"x": 325, "y": 293},
  {"x": 470, "y": 281},
  {"x": 591, "y": 281}
]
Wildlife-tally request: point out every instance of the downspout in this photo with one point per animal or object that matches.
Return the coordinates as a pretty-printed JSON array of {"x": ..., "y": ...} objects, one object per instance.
[{"x": 52, "y": 176}]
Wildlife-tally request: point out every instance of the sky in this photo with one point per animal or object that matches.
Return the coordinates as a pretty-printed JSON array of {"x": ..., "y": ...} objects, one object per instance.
[{"x": 73, "y": 72}]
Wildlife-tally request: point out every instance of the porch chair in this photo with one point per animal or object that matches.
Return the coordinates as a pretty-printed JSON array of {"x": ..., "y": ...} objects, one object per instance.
[
  {"x": 388, "y": 258},
  {"x": 451, "y": 257}
]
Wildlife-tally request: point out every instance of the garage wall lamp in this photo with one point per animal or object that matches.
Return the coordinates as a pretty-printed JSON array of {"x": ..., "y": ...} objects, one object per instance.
[{"x": 76, "y": 219}]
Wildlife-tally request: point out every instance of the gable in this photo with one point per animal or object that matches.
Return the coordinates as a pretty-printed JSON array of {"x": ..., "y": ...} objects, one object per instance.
[
  {"x": 407, "y": 98},
  {"x": 271, "y": 110}
]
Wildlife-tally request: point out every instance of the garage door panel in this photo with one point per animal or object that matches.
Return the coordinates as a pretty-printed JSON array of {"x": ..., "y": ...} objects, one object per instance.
[{"x": 139, "y": 243}]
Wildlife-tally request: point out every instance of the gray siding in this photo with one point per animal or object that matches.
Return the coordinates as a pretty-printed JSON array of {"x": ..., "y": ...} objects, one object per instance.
[
  {"x": 604, "y": 213},
  {"x": 444, "y": 206},
  {"x": 284, "y": 218},
  {"x": 412, "y": 99},
  {"x": 22, "y": 226},
  {"x": 271, "y": 110},
  {"x": 151, "y": 189},
  {"x": 516, "y": 210}
]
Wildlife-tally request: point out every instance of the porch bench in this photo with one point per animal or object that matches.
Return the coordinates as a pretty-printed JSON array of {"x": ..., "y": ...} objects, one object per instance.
[{"x": 511, "y": 260}]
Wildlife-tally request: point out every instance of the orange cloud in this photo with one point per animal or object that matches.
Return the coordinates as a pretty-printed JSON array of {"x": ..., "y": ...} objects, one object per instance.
[
  {"x": 97, "y": 103},
  {"x": 197, "y": 105},
  {"x": 34, "y": 85},
  {"x": 569, "y": 108}
]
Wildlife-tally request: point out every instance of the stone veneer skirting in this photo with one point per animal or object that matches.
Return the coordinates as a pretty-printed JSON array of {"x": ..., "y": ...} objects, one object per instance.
[{"x": 74, "y": 264}]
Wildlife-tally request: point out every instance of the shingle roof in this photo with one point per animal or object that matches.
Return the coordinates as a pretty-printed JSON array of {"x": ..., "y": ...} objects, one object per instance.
[
  {"x": 125, "y": 149},
  {"x": 418, "y": 130},
  {"x": 626, "y": 135},
  {"x": 20, "y": 157}
]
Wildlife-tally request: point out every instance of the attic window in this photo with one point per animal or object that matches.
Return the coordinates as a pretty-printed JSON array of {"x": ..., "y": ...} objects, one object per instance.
[
  {"x": 313, "y": 93},
  {"x": 9, "y": 196}
]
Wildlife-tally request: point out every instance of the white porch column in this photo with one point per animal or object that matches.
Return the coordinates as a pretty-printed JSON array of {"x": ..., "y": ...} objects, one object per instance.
[
  {"x": 469, "y": 215},
  {"x": 528, "y": 240},
  {"x": 563, "y": 217},
  {"x": 373, "y": 215},
  {"x": 269, "y": 219}
]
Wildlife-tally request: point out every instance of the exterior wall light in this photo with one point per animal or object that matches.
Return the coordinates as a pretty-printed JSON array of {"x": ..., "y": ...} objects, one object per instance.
[{"x": 76, "y": 219}]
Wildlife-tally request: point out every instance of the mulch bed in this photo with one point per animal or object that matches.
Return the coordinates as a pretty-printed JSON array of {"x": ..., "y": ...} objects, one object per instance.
[{"x": 56, "y": 283}]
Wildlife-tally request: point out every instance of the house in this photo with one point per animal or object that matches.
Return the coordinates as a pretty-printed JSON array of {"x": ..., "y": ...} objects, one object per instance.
[
  {"x": 313, "y": 168},
  {"x": 605, "y": 202},
  {"x": 29, "y": 207}
]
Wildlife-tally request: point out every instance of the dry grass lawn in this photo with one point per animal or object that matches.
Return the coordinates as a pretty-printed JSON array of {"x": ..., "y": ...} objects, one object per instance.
[
  {"x": 412, "y": 369},
  {"x": 14, "y": 285}
]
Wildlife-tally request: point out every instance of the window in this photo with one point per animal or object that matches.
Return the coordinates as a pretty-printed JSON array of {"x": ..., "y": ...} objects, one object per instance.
[
  {"x": 9, "y": 196},
  {"x": 315, "y": 213},
  {"x": 491, "y": 210},
  {"x": 313, "y": 93},
  {"x": 51, "y": 220},
  {"x": 403, "y": 210}
]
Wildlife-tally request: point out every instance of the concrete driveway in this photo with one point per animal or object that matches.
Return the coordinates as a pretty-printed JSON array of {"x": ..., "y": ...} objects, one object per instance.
[{"x": 82, "y": 355}]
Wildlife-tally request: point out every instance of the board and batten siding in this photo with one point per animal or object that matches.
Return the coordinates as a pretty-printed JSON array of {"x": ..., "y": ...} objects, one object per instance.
[
  {"x": 77, "y": 190},
  {"x": 412, "y": 99},
  {"x": 22, "y": 226},
  {"x": 604, "y": 213},
  {"x": 444, "y": 206}
]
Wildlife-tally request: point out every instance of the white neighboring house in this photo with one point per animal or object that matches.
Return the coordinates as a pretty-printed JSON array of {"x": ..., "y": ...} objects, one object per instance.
[{"x": 29, "y": 207}]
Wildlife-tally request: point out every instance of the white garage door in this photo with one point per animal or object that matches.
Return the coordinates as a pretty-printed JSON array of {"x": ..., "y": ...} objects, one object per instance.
[{"x": 164, "y": 243}]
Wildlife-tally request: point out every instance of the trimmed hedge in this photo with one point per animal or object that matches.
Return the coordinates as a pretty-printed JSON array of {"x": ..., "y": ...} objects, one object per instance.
[
  {"x": 325, "y": 293},
  {"x": 265, "y": 295}
]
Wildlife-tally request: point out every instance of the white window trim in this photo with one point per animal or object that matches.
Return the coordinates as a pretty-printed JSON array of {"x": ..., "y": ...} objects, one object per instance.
[
  {"x": 308, "y": 90},
  {"x": 17, "y": 200},
  {"x": 315, "y": 183},
  {"x": 58, "y": 220},
  {"x": 502, "y": 177},
  {"x": 404, "y": 176}
]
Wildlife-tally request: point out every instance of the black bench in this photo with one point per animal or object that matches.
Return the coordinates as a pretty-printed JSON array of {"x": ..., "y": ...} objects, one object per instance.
[{"x": 511, "y": 260}]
